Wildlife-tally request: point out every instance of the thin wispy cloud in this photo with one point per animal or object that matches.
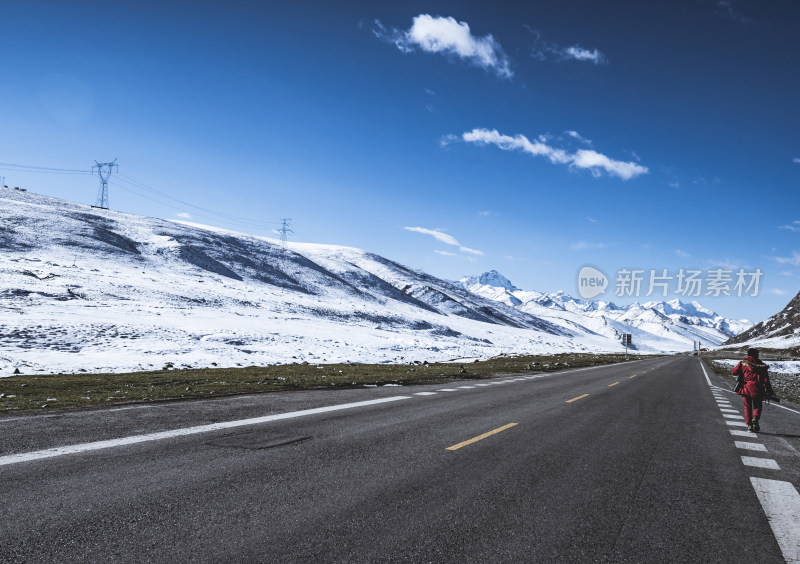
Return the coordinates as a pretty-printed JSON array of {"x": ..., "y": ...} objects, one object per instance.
[
  {"x": 446, "y": 36},
  {"x": 794, "y": 260},
  {"x": 794, "y": 226},
  {"x": 543, "y": 51},
  {"x": 682, "y": 254},
  {"x": 777, "y": 292},
  {"x": 579, "y": 137},
  {"x": 730, "y": 10},
  {"x": 580, "y": 54},
  {"x": 445, "y": 253},
  {"x": 796, "y": 160},
  {"x": 587, "y": 246},
  {"x": 588, "y": 159},
  {"x": 183, "y": 215},
  {"x": 444, "y": 238},
  {"x": 593, "y": 220},
  {"x": 726, "y": 264}
]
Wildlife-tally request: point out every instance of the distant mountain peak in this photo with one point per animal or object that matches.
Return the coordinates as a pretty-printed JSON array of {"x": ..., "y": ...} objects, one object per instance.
[{"x": 491, "y": 278}]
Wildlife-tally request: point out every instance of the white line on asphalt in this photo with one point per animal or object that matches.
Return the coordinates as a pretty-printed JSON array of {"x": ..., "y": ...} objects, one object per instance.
[
  {"x": 98, "y": 445},
  {"x": 771, "y": 404},
  {"x": 729, "y": 411},
  {"x": 466, "y": 387},
  {"x": 425, "y": 393},
  {"x": 736, "y": 423},
  {"x": 750, "y": 446},
  {"x": 704, "y": 372},
  {"x": 447, "y": 390},
  {"x": 781, "y": 503},
  {"x": 760, "y": 462},
  {"x": 786, "y": 408},
  {"x": 739, "y": 433},
  {"x": 731, "y": 416}
]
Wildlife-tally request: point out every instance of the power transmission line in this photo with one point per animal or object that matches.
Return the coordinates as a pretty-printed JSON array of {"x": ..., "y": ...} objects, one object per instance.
[
  {"x": 145, "y": 191},
  {"x": 42, "y": 169}
]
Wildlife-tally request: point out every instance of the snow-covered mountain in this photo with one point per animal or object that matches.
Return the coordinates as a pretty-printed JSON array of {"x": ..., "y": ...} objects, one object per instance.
[
  {"x": 666, "y": 325},
  {"x": 83, "y": 288},
  {"x": 90, "y": 289},
  {"x": 781, "y": 331}
]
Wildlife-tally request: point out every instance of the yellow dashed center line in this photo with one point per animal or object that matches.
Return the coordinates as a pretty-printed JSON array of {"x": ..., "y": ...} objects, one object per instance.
[
  {"x": 576, "y": 399},
  {"x": 634, "y": 376},
  {"x": 481, "y": 437},
  {"x": 614, "y": 384}
]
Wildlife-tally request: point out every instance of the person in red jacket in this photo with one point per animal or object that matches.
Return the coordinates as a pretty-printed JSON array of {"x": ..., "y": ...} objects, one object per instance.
[{"x": 754, "y": 379}]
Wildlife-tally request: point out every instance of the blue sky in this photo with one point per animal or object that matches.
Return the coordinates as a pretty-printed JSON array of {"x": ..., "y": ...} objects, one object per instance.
[{"x": 454, "y": 137}]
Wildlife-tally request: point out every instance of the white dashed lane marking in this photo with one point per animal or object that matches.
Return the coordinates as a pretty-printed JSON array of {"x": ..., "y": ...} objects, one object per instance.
[
  {"x": 738, "y": 433},
  {"x": 767, "y": 463},
  {"x": 736, "y": 423},
  {"x": 750, "y": 446},
  {"x": 781, "y": 503}
]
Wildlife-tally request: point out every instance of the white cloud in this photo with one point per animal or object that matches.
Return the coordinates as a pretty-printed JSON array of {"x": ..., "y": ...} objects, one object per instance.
[
  {"x": 543, "y": 50},
  {"x": 777, "y": 292},
  {"x": 444, "y": 253},
  {"x": 183, "y": 215},
  {"x": 593, "y": 220},
  {"x": 583, "y": 158},
  {"x": 586, "y": 246},
  {"x": 575, "y": 135},
  {"x": 444, "y": 238},
  {"x": 726, "y": 264},
  {"x": 438, "y": 235},
  {"x": 794, "y": 260},
  {"x": 682, "y": 254},
  {"x": 445, "y": 35},
  {"x": 729, "y": 9},
  {"x": 796, "y": 160},
  {"x": 795, "y": 226},
  {"x": 580, "y": 54}
]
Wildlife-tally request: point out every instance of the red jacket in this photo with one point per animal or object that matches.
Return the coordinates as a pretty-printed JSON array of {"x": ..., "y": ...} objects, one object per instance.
[{"x": 754, "y": 375}]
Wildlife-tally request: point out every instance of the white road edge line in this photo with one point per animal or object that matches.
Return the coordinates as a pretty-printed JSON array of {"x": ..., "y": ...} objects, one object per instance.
[
  {"x": 781, "y": 503},
  {"x": 705, "y": 373},
  {"x": 98, "y": 445}
]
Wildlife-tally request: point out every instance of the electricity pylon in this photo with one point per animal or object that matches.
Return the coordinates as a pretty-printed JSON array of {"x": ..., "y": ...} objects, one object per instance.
[{"x": 104, "y": 172}]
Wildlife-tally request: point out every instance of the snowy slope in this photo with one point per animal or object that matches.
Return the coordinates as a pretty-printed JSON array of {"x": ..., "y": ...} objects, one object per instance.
[
  {"x": 781, "y": 331},
  {"x": 655, "y": 326},
  {"x": 97, "y": 290}
]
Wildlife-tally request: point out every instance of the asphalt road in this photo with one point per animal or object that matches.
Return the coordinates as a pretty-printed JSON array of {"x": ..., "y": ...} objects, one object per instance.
[{"x": 624, "y": 463}]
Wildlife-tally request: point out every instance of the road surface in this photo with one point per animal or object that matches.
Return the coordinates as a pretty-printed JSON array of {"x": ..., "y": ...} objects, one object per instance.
[{"x": 626, "y": 463}]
